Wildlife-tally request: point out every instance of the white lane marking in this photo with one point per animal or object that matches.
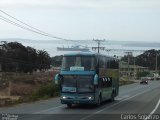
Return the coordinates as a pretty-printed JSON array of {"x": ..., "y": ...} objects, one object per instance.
[
  {"x": 21, "y": 117},
  {"x": 84, "y": 118},
  {"x": 153, "y": 111},
  {"x": 122, "y": 97},
  {"x": 42, "y": 111}
]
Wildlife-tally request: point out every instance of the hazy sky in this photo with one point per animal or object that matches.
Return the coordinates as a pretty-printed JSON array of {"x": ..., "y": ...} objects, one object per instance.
[{"x": 136, "y": 20}]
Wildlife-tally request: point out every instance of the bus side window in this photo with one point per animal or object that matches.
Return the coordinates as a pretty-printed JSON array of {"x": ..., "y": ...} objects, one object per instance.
[
  {"x": 101, "y": 83},
  {"x": 106, "y": 82},
  {"x": 88, "y": 64},
  {"x": 110, "y": 82},
  {"x": 92, "y": 64},
  {"x": 106, "y": 64},
  {"x": 102, "y": 62},
  {"x": 114, "y": 64}
]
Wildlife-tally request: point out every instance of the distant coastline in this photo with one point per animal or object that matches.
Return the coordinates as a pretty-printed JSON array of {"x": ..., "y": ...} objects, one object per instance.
[
  {"x": 51, "y": 45},
  {"x": 143, "y": 45}
]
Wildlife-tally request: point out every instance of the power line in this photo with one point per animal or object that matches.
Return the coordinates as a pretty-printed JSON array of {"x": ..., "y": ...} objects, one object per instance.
[
  {"x": 125, "y": 50},
  {"x": 39, "y": 31},
  {"x": 24, "y": 23},
  {"x": 23, "y": 27},
  {"x": 31, "y": 28},
  {"x": 18, "y": 25}
]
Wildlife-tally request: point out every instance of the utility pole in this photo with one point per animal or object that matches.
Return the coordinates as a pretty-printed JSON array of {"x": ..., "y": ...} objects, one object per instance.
[
  {"x": 156, "y": 67},
  {"x": 98, "y": 47},
  {"x": 128, "y": 54},
  {"x": 156, "y": 64},
  {"x": 134, "y": 68}
]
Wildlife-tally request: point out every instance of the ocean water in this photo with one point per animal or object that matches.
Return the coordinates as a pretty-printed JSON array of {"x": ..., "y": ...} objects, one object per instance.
[
  {"x": 51, "y": 47},
  {"x": 121, "y": 46}
]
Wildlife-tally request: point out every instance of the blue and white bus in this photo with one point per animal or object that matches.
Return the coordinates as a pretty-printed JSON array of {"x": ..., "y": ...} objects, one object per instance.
[{"x": 88, "y": 78}]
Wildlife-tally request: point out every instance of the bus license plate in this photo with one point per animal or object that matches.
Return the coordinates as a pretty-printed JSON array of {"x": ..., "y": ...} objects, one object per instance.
[{"x": 76, "y": 101}]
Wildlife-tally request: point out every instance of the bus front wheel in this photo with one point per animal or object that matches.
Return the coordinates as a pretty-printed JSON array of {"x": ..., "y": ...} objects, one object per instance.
[
  {"x": 112, "y": 97},
  {"x": 69, "y": 105},
  {"x": 98, "y": 102}
]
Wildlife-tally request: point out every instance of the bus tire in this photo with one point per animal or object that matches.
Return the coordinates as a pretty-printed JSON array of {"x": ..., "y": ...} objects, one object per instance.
[
  {"x": 99, "y": 101},
  {"x": 112, "y": 97},
  {"x": 69, "y": 105}
]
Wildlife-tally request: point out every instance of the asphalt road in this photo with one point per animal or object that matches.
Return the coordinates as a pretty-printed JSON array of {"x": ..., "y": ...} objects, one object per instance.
[{"x": 134, "y": 102}]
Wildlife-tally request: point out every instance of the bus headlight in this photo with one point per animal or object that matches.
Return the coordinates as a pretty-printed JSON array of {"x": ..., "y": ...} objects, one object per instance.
[
  {"x": 63, "y": 97},
  {"x": 90, "y": 97}
]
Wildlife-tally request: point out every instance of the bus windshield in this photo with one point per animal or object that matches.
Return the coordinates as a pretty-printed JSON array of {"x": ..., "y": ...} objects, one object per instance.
[
  {"x": 85, "y": 62},
  {"x": 78, "y": 84}
]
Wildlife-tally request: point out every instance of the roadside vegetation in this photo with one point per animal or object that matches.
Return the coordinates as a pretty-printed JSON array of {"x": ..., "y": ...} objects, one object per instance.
[
  {"x": 125, "y": 81},
  {"x": 44, "y": 92},
  {"x": 14, "y": 57},
  {"x": 143, "y": 74},
  {"x": 146, "y": 59},
  {"x": 19, "y": 88}
]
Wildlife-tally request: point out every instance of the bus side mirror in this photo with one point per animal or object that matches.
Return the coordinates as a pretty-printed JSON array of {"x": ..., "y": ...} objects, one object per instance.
[
  {"x": 95, "y": 80},
  {"x": 56, "y": 78}
]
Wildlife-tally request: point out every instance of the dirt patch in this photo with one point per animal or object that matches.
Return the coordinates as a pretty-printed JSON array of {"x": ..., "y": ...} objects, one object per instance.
[{"x": 21, "y": 85}]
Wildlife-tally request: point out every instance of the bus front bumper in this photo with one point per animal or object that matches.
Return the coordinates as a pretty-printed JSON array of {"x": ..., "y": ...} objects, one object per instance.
[{"x": 77, "y": 99}]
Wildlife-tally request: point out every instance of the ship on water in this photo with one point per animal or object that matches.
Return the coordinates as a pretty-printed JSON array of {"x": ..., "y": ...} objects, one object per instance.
[{"x": 74, "y": 48}]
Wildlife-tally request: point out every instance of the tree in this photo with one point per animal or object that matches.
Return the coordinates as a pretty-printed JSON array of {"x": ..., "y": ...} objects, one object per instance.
[
  {"x": 56, "y": 61},
  {"x": 43, "y": 60},
  {"x": 142, "y": 74},
  {"x": 148, "y": 59},
  {"x": 18, "y": 58}
]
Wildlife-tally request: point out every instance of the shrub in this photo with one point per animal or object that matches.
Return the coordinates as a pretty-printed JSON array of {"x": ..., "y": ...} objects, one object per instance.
[{"x": 46, "y": 91}]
